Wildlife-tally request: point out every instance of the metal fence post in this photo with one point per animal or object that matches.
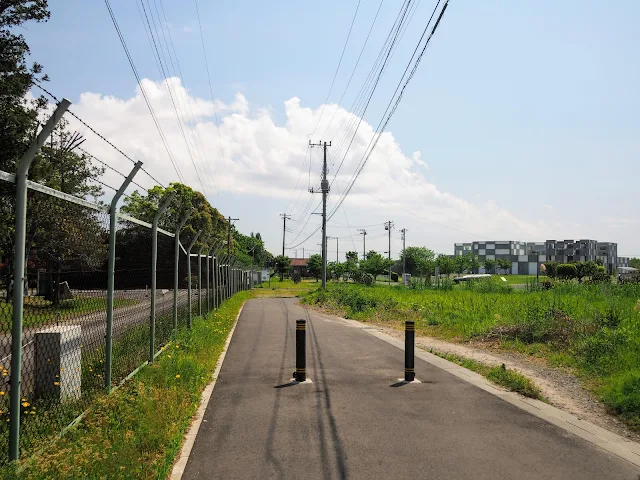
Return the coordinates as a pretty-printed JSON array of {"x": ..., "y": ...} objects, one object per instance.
[
  {"x": 208, "y": 275},
  {"x": 154, "y": 265},
  {"x": 176, "y": 263},
  {"x": 111, "y": 265},
  {"x": 200, "y": 277},
  {"x": 19, "y": 276},
  {"x": 193, "y": 242}
]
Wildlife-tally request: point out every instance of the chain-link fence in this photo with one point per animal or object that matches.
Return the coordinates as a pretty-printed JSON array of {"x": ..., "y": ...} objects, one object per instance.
[{"x": 67, "y": 303}]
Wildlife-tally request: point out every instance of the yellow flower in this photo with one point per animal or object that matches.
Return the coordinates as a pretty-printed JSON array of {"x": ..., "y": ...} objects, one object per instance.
[
  {"x": 25, "y": 404},
  {"x": 33, "y": 413},
  {"x": 57, "y": 384},
  {"x": 1, "y": 393},
  {"x": 178, "y": 376}
]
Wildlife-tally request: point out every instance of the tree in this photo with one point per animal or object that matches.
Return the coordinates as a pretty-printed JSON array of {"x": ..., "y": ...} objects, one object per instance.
[
  {"x": 314, "y": 265},
  {"x": 635, "y": 263},
  {"x": 338, "y": 270},
  {"x": 282, "y": 264},
  {"x": 420, "y": 261},
  {"x": 375, "y": 264},
  {"x": 460, "y": 263},
  {"x": 473, "y": 262},
  {"x": 445, "y": 264},
  {"x": 204, "y": 218},
  {"x": 585, "y": 269},
  {"x": 60, "y": 236},
  {"x": 550, "y": 268},
  {"x": 504, "y": 264},
  {"x": 489, "y": 265},
  {"x": 567, "y": 271},
  {"x": 352, "y": 256}
]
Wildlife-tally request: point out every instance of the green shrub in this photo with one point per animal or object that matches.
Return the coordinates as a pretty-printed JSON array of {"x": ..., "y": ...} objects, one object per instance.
[{"x": 567, "y": 271}]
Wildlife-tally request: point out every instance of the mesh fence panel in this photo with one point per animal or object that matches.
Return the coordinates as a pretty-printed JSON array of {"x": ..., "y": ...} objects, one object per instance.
[
  {"x": 7, "y": 196},
  {"x": 164, "y": 295},
  {"x": 132, "y": 299},
  {"x": 64, "y": 315}
]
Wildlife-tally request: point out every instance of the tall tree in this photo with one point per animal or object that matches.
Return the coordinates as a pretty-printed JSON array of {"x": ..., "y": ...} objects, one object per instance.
[
  {"x": 445, "y": 264},
  {"x": 282, "y": 264},
  {"x": 314, "y": 265},
  {"x": 375, "y": 264},
  {"x": 489, "y": 265}
]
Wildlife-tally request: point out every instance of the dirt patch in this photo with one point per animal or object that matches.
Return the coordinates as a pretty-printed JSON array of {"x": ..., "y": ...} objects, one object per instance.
[{"x": 559, "y": 385}]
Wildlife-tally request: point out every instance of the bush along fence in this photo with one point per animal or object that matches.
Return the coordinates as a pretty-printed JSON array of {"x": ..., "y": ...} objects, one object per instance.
[{"x": 91, "y": 295}]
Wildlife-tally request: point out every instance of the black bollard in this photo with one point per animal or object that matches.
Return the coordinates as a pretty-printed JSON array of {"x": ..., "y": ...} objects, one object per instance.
[
  {"x": 409, "y": 344},
  {"x": 301, "y": 351}
]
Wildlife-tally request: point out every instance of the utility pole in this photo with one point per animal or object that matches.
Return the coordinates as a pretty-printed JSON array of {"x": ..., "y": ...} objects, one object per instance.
[
  {"x": 337, "y": 254},
  {"x": 404, "y": 254},
  {"x": 324, "y": 188},
  {"x": 285, "y": 217},
  {"x": 388, "y": 226},
  {"x": 230, "y": 220},
  {"x": 363, "y": 232}
]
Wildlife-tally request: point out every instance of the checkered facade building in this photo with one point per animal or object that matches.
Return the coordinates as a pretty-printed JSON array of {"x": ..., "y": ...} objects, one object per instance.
[{"x": 525, "y": 257}]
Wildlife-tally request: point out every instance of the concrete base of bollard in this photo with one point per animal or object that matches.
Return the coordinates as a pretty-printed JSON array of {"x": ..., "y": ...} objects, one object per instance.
[
  {"x": 415, "y": 380},
  {"x": 293, "y": 381}
]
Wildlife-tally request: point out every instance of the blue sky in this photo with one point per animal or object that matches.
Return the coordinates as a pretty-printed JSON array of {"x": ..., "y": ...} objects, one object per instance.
[{"x": 526, "y": 113}]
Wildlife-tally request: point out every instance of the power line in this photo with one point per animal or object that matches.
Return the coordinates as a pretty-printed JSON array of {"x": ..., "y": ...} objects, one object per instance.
[
  {"x": 215, "y": 114},
  {"x": 384, "y": 121},
  {"x": 144, "y": 94},
  {"x": 166, "y": 82},
  {"x": 344, "y": 48},
  {"x": 354, "y": 68},
  {"x": 388, "y": 48}
]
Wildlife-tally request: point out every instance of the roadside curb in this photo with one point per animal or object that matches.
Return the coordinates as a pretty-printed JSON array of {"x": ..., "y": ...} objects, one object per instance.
[
  {"x": 608, "y": 441},
  {"x": 190, "y": 437}
]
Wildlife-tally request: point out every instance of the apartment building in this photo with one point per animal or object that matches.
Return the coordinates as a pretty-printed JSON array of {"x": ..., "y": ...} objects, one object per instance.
[{"x": 525, "y": 257}]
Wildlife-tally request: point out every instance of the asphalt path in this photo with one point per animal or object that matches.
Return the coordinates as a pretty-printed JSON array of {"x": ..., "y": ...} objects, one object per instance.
[{"x": 352, "y": 422}]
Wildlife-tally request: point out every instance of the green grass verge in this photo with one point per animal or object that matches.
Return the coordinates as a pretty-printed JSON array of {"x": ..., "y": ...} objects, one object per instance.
[
  {"x": 285, "y": 288},
  {"x": 38, "y": 311},
  {"x": 137, "y": 431},
  {"x": 500, "y": 375},
  {"x": 594, "y": 329}
]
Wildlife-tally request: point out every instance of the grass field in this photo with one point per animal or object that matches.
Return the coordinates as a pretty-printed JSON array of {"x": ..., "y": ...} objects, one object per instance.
[
  {"x": 592, "y": 328},
  {"x": 38, "y": 311},
  {"x": 285, "y": 288}
]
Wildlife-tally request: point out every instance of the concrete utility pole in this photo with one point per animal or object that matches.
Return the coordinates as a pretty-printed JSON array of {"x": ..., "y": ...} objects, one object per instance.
[
  {"x": 324, "y": 188},
  {"x": 229, "y": 219},
  {"x": 388, "y": 226},
  {"x": 363, "y": 232},
  {"x": 337, "y": 254},
  {"x": 404, "y": 255},
  {"x": 285, "y": 217}
]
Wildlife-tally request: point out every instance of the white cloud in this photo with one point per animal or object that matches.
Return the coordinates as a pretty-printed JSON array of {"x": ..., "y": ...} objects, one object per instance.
[{"x": 264, "y": 157}]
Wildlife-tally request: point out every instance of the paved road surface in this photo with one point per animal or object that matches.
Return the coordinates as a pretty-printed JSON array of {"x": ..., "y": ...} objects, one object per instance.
[{"x": 351, "y": 424}]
